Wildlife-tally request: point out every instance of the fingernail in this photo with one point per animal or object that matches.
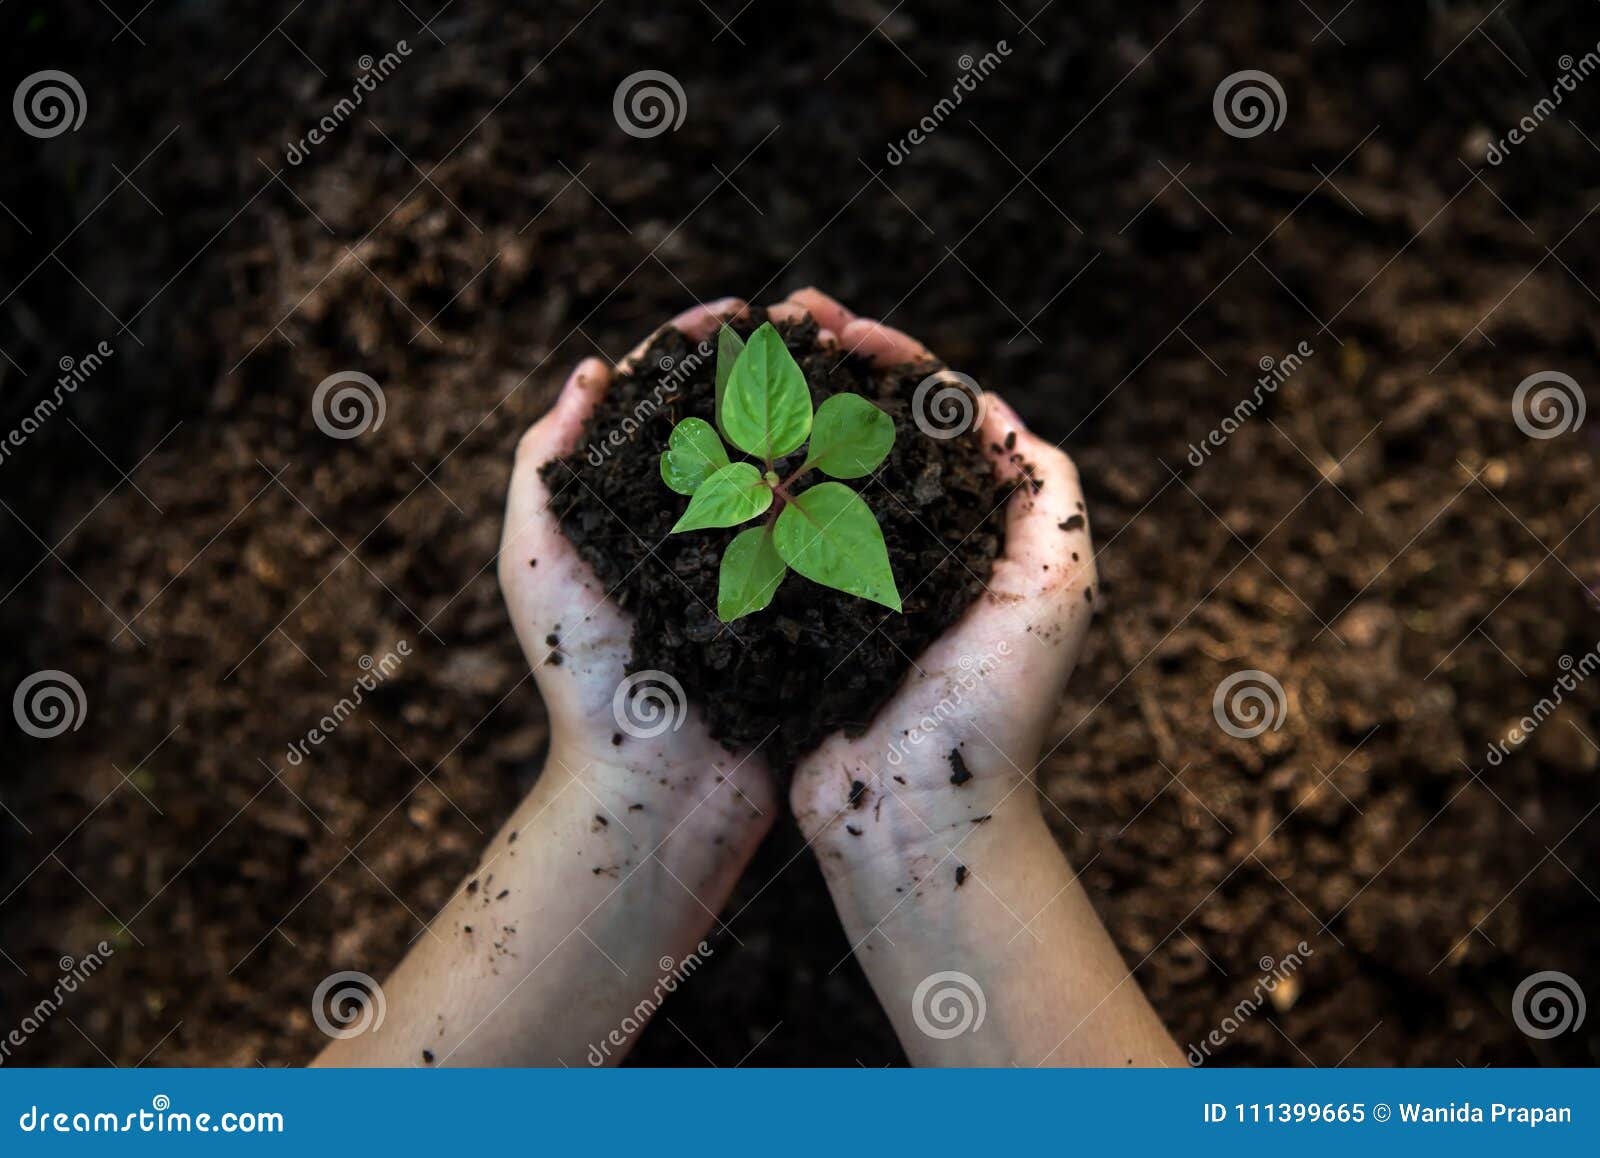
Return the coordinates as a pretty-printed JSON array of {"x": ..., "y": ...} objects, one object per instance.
[{"x": 584, "y": 376}]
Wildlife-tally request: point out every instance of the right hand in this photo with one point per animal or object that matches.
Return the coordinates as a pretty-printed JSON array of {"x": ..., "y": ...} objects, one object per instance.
[{"x": 988, "y": 689}]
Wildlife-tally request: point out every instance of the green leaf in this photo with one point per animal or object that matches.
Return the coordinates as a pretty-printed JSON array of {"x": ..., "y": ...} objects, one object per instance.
[
  {"x": 729, "y": 346},
  {"x": 766, "y": 411},
  {"x": 750, "y": 574},
  {"x": 731, "y": 495},
  {"x": 830, "y": 536},
  {"x": 850, "y": 437},
  {"x": 694, "y": 453}
]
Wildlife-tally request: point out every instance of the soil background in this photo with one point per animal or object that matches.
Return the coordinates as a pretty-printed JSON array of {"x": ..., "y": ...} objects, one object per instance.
[{"x": 1079, "y": 232}]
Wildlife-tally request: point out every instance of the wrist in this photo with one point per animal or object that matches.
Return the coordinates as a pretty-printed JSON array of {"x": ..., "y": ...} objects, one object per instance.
[
  {"x": 643, "y": 855},
  {"x": 653, "y": 788},
  {"x": 888, "y": 834}
]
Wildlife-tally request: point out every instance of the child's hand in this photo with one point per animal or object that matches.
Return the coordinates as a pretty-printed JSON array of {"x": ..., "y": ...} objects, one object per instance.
[
  {"x": 975, "y": 933},
  {"x": 577, "y": 639},
  {"x": 613, "y": 869},
  {"x": 958, "y": 741}
]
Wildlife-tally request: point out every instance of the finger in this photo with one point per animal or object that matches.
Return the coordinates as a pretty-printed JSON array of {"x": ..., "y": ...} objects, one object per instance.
[
  {"x": 791, "y": 312},
  {"x": 549, "y": 590},
  {"x": 1047, "y": 522},
  {"x": 556, "y": 433},
  {"x": 703, "y": 320},
  {"x": 1039, "y": 595},
  {"x": 786, "y": 312},
  {"x": 830, "y": 315},
  {"x": 882, "y": 344},
  {"x": 527, "y": 527}
]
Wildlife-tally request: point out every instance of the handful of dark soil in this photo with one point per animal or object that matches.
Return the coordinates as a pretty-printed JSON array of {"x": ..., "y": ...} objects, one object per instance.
[{"x": 816, "y": 660}]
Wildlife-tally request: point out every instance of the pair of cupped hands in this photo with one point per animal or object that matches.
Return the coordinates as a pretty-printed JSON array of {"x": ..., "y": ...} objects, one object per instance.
[
  {"x": 616, "y": 873},
  {"x": 1034, "y": 612}
]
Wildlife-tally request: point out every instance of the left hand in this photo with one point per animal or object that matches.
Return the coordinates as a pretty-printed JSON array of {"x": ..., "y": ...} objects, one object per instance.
[{"x": 577, "y": 640}]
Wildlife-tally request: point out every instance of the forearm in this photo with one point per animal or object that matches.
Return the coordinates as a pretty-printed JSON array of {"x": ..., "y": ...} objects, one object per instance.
[
  {"x": 997, "y": 902},
  {"x": 598, "y": 887}
]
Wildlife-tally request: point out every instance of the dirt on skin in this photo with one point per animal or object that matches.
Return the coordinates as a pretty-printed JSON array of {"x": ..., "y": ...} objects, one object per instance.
[
  {"x": 815, "y": 661},
  {"x": 1080, "y": 234}
]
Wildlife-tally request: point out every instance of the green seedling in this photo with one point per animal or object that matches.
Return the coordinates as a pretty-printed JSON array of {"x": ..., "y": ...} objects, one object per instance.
[{"x": 827, "y": 532}]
